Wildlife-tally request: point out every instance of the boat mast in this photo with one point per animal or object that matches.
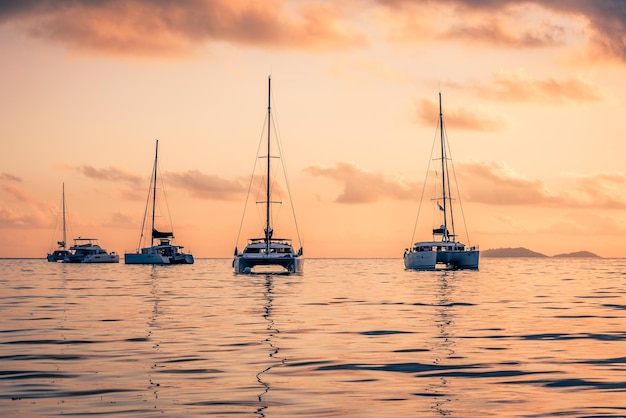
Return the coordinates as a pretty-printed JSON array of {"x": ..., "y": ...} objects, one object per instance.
[
  {"x": 63, "y": 208},
  {"x": 443, "y": 173},
  {"x": 267, "y": 200},
  {"x": 154, "y": 180}
]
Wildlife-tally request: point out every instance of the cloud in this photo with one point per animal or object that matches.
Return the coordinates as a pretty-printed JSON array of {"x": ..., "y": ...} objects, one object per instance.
[
  {"x": 173, "y": 28},
  {"x": 112, "y": 174},
  {"x": 362, "y": 186},
  {"x": 10, "y": 218},
  {"x": 427, "y": 112},
  {"x": 17, "y": 193},
  {"x": 607, "y": 24},
  {"x": 518, "y": 86},
  {"x": 501, "y": 32},
  {"x": 584, "y": 223},
  {"x": 497, "y": 23},
  {"x": 199, "y": 185},
  {"x": 496, "y": 184},
  {"x": 10, "y": 177},
  {"x": 602, "y": 190},
  {"x": 131, "y": 27},
  {"x": 207, "y": 186},
  {"x": 121, "y": 220},
  {"x": 514, "y": 24}
]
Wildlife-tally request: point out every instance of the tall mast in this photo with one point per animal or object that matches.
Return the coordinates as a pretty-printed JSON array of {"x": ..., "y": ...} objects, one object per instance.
[
  {"x": 443, "y": 173},
  {"x": 63, "y": 207},
  {"x": 154, "y": 180},
  {"x": 267, "y": 200}
]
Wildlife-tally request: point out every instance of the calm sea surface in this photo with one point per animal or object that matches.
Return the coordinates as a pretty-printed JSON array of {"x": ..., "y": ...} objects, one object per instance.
[{"x": 350, "y": 338}]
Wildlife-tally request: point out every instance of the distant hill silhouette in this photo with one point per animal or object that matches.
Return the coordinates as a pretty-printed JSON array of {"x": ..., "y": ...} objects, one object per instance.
[
  {"x": 579, "y": 254},
  {"x": 510, "y": 252},
  {"x": 525, "y": 252}
]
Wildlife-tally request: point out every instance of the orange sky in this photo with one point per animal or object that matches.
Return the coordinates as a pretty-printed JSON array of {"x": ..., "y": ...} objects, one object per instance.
[{"x": 533, "y": 98}]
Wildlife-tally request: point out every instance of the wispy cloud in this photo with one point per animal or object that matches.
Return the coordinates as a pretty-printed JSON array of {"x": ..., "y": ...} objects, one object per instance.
[
  {"x": 363, "y": 186},
  {"x": 427, "y": 112},
  {"x": 497, "y": 184},
  {"x": 493, "y": 23},
  {"x": 206, "y": 186},
  {"x": 16, "y": 193},
  {"x": 177, "y": 27},
  {"x": 113, "y": 174},
  {"x": 11, "y": 218},
  {"x": 517, "y": 86},
  {"x": 10, "y": 177},
  {"x": 503, "y": 32},
  {"x": 607, "y": 24},
  {"x": 513, "y": 24},
  {"x": 121, "y": 220}
]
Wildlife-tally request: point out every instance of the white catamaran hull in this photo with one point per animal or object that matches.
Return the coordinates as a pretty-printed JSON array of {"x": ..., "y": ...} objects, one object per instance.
[
  {"x": 244, "y": 264},
  {"x": 451, "y": 259},
  {"x": 156, "y": 258},
  {"x": 459, "y": 259},
  {"x": 420, "y": 260},
  {"x": 94, "y": 258}
]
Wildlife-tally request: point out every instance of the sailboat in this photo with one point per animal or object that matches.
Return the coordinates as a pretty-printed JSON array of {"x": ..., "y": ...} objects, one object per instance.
[
  {"x": 443, "y": 249},
  {"x": 268, "y": 250},
  {"x": 163, "y": 252},
  {"x": 62, "y": 252}
]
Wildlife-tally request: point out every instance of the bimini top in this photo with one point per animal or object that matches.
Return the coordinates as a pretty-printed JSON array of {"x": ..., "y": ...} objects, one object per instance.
[{"x": 257, "y": 245}]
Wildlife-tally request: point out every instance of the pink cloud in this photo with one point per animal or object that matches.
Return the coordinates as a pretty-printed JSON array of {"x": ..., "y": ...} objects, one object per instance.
[
  {"x": 135, "y": 27},
  {"x": 113, "y": 174},
  {"x": 363, "y": 186},
  {"x": 427, "y": 112},
  {"x": 207, "y": 186},
  {"x": 520, "y": 87},
  {"x": 10, "y": 177},
  {"x": 496, "y": 184}
]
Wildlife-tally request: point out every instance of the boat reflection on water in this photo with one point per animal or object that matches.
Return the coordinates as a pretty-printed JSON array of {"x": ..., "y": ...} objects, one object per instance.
[{"x": 268, "y": 296}]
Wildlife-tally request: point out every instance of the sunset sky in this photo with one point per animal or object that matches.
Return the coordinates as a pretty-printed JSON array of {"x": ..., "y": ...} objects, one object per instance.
[{"x": 534, "y": 98}]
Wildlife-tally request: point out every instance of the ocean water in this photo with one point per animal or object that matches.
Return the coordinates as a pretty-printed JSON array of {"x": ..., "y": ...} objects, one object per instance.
[{"x": 347, "y": 338}]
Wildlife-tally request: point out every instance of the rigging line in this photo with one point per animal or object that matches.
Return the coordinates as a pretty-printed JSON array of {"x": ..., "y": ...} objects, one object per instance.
[
  {"x": 145, "y": 213},
  {"x": 419, "y": 209},
  {"x": 284, "y": 165},
  {"x": 245, "y": 206},
  {"x": 458, "y": 192},
  {"x": 54, "y": 231},
  {"x": 448, "y": 157},
  {"x": 167, "y": 206},
  {"x": 68, "y": 225}
]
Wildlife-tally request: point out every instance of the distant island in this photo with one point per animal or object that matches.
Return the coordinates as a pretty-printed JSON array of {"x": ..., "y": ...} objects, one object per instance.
[
  {"x": 584, "y": 254},
  {"x": 525, "y": 252}
]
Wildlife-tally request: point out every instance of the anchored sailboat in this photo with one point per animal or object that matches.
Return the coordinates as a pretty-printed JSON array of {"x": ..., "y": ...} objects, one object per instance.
[
  {"x": 268, "y": 250},
  {"x": 443, "y": 249},
  {"x": 62, "y": 252},
  {"x": 164, "y": 252}
]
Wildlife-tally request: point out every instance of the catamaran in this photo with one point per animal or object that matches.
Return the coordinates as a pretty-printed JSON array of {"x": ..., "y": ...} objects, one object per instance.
[
  {"x": 163, "y": 252},
  {"x": 268, "y": 250},
  {"x": 87, "y": 250},
  {"x": 444, "y": 249}
]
